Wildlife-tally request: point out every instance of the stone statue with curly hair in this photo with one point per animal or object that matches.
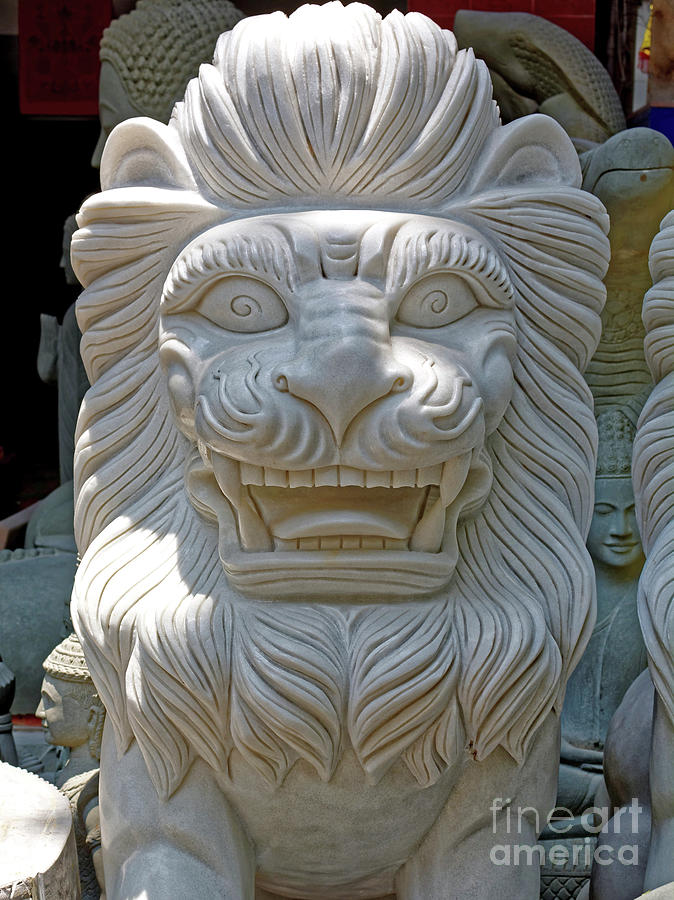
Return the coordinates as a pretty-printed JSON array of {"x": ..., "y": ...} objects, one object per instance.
[{"x": 148, "y": 56}]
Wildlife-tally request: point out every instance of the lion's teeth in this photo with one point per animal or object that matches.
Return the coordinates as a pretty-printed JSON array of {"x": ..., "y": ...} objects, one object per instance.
[
  {"x": 252, "y": 474},
  {"x": 286, "y": 543},
  {"x": 429, "y": 475},
  {"x": 377, "y": 479},
  {"x": 427, "y": 536},
  {"x": 340, "y": 542},
  {"x": 275, "y": 477},
  {"x": 335, "y": 476},
  {"x": 252, "y": 531},
  {"x": 301, "y": 478},
  {"x": 326, "y": 477},
  {"x": 349, "y": 476},
  {"x": 454, "y": 473},
  {"x": 404, "y": 478},
  {"x": 226, "y": 471}
]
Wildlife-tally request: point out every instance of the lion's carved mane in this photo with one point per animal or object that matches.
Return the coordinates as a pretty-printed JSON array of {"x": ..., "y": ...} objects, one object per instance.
[{"x": 185, "y": 667}]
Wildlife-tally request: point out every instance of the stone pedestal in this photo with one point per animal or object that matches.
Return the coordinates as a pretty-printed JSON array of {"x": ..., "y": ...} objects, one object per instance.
[{"x": 38, "y": 859}]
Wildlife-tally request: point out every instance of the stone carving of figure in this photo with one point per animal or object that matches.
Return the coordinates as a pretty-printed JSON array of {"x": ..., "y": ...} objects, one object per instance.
[
  {"x": 333, "y": 472},
  {"x": 149, "y": 55},
  {"x": 59, "y": 360},
  {"x": 615, "y": 654},
  {"x": 73, "y": 716},
  {"x": 632, "y": 173},
  {"x": 536, "y": 66}
]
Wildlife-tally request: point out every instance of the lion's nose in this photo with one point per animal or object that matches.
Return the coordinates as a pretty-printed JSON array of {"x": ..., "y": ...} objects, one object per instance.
[{"x": 342, "y": 379}]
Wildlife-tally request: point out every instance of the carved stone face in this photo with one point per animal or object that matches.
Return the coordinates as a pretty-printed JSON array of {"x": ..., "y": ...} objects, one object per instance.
[
  {"x": 65, "y": 708},
  {"x": 340, "y": 372},
  {"x": 613, "y": 539}
]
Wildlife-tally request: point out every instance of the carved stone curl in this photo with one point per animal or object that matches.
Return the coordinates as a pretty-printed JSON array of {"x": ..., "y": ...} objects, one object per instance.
[{"x": 334, "y": 474}]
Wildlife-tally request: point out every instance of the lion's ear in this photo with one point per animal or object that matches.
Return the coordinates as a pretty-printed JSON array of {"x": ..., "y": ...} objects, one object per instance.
[
  {"x": 533, "y": 148},
  {"x": 144, "y": 152}
]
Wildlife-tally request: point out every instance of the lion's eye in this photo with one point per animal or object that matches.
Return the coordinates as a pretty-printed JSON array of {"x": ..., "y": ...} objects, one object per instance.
[
  {"x": 238, "y": 303},
  {"x": 436, "y": 301}
]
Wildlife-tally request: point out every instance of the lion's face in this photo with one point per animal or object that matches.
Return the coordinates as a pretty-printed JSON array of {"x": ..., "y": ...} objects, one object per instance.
[
  {"x": 339, "y": 373},
  {"x": 374, "y": 406}
]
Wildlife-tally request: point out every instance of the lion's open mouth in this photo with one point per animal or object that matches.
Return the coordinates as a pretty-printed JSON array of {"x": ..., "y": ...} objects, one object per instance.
[
  {"x": 337, "y": 531},
  {"x": 340, "y": 507}
]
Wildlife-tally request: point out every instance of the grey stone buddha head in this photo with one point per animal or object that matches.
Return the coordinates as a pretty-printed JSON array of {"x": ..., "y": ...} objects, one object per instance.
[
  {"x": 149, "y": 55},
  {"x": 70, "y": 707},
  {"x": 613, "y": 539}
]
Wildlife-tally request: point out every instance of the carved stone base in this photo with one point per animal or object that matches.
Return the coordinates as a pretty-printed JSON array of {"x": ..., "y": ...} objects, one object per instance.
[
  {"x": 39, "y": 858},
  {"x": 565, "y": 881}
]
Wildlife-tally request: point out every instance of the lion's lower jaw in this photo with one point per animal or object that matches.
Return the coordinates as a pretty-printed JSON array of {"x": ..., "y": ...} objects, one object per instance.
[
  {"x": 384, "y": 535},
  {"x": 344, "y": 575}
]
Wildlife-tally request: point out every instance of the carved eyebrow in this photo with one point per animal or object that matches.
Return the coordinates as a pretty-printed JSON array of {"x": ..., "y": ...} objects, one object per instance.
[
  {"x": 419, "y": 253},
  {"x": 262, "y": 254}
]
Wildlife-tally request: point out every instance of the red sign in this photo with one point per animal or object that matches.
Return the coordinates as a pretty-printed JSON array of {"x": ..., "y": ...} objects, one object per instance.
[{"x": 58, "y": 55}]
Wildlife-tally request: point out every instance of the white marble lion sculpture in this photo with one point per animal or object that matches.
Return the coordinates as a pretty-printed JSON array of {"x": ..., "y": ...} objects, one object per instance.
[{"x": 334, "y": 473}]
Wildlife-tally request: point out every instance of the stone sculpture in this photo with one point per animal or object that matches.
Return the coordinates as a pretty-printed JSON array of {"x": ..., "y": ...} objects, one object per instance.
[
  {"x": 615, "y": 654},
  {"x": 653, "y": 476},
  {"x": 333, "y": 490},
  {"x": 536, "y": 66},
  {"x": 149, "y": 55},
  {"x": 73, "y": 716},
  {"x": 633, "y": 176},
  {"x": 59, "y": 360}
]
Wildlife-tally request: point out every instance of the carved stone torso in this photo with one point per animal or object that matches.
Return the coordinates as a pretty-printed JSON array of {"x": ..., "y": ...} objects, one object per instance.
[{"x": 613, "y": 658}]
